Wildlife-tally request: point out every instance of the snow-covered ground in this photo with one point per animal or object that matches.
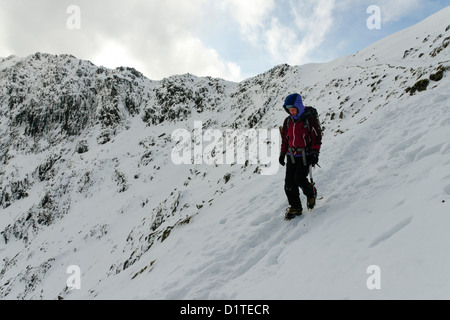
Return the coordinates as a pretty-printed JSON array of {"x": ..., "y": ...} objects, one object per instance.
[{"x": 140, "y": 227}]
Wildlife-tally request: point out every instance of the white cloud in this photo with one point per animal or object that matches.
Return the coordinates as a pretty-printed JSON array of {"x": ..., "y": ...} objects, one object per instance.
[
  {"x": 151, "y": 36},
  {"x": 4, "y": 51},
  {"x": 314, "y": 27},
  {"x": 299, "y": 28},
  {"x": 294, "y": 41},
  {"x": 159, "y": 42},
  {"x": 186, "y": 53},
  {"x": 280, "y": 40},
  {"x": 250, "y": 15},
  {"x": 158, "y": 58},
  {"x": 112, "y": 55}
]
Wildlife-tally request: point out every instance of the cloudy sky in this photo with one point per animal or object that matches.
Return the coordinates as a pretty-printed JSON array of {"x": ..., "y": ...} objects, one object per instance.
[{"x": 230, "y": 39}]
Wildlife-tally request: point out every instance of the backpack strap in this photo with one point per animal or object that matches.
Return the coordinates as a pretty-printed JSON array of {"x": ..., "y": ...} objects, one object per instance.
[{"x": 309, "y": 112}]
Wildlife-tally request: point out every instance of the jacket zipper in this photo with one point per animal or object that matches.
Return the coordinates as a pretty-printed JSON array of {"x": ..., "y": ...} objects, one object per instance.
[{"x": 293, "y": 136}]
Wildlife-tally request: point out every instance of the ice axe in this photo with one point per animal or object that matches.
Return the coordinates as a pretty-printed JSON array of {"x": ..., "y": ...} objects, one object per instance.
[
  {"x": 311, "y": 180},
  {"x": 313, "y": 184}
]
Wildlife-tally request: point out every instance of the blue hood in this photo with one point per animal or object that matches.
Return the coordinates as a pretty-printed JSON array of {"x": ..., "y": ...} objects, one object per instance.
[{"x": 296, "y": 101}]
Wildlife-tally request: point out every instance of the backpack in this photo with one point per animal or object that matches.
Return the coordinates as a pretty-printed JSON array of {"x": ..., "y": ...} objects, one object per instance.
[{"x": 306, "y": 116}]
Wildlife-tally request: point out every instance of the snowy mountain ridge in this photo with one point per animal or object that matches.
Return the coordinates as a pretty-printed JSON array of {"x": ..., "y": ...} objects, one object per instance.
[{"x": 87, "y": 180}]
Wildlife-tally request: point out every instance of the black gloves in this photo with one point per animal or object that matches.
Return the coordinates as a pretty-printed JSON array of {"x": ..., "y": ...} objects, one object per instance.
[
  {"x": 281, "y": 160},
  {"x": 313, "y": 158}
]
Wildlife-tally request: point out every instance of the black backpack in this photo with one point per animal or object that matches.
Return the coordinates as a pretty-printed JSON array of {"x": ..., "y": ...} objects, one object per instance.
[{"x": 306, "y": 116}]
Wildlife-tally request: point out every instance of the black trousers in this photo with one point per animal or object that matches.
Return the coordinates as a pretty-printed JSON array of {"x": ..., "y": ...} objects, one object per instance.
[{"x": 297, "y": 177}]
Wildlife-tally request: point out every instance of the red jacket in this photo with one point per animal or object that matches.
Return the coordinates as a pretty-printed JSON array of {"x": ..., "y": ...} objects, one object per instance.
[{"x": 295, "y": 135}]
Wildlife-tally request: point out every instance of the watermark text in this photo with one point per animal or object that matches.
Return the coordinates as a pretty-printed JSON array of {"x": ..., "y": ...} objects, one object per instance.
[
  {"x": 74, "y": 281},
  {"x": 374, "y": 280},
  {"x": 374, "y": 21},
  {"x": 73, "y": 22},
  {"x": 214, "y": 147}
]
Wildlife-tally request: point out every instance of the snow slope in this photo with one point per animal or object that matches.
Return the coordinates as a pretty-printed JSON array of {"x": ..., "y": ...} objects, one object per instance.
[{"x": 140, "y": 227}]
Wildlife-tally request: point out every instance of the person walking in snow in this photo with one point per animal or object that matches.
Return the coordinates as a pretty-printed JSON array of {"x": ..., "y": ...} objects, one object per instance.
[{"x": 301, "y": 140}]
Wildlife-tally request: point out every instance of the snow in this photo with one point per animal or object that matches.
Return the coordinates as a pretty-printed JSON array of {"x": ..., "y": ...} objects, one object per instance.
[{"x": 384, "y": 178}]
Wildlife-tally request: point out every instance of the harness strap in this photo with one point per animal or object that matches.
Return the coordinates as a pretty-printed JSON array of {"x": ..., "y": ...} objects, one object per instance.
[{"x": 302, "y": 150}]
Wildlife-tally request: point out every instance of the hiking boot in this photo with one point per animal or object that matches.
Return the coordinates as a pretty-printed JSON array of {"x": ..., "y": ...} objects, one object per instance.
[
  {"x": 311, "y": 203},
  {"x": 293, "y": 212}
]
